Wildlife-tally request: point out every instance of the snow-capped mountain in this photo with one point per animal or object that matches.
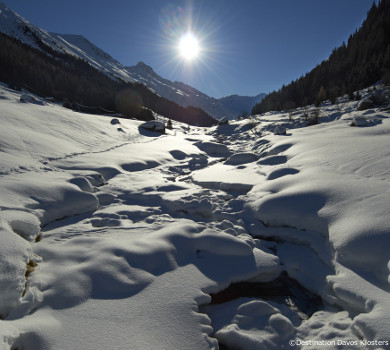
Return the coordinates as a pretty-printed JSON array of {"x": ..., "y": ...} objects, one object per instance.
[
  {"x": 16, "y": 26},
  {"x": 185, "y": 95},
  {"x": 81, "y": 47},
  {"x": 76, "y": 45}
]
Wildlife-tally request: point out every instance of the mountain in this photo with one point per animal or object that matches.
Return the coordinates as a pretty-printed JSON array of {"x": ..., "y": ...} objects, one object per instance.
[
  {"x": 185, "y": 95},
  {"x": 82, "y": 48},
  {"x": 84, "y": 79},
  {"x": 362, "y": 61},
  {"x": 81, "y": 87},
  {"x": 76, "y": 45},
  {"x": 241, "y": 104}
]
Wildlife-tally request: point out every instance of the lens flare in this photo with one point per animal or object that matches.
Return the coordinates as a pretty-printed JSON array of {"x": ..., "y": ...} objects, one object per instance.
[
  {"x": 172, "y": 20},
  {"x": 189, "y": 46},
  {"x": 188, "y": 42}
]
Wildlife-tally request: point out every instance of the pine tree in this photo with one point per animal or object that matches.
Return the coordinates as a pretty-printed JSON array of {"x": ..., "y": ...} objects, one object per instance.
[
  {"x": 363, "y": 60},
  {"x": 321, "y": 96}
]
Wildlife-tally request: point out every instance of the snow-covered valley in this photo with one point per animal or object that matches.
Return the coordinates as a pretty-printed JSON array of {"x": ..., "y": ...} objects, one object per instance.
[{"x": 116, "y": 237}]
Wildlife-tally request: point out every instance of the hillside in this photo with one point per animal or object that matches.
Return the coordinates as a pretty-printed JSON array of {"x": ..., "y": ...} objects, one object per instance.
[
  {"x": 362, "y": 61},
  {"x": 75, "y": 82}
]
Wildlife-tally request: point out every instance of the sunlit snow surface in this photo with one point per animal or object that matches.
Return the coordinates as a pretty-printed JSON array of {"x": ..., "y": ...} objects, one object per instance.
[{"x": 136, "y": 230}]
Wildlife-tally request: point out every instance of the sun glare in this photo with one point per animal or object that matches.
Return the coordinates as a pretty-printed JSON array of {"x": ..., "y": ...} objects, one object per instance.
[{"x": 189, "y": 47}]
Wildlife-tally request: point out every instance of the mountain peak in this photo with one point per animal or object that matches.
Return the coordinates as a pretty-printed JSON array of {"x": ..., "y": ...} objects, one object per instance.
[
  {"x": 3, "y": 6},
  {"x": 142, "y": 64},
  {"x": 144, "y": 67}
]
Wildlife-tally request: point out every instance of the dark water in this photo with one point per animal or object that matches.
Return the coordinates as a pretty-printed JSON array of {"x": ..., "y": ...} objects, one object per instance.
[{"x": 281, "y": 290}]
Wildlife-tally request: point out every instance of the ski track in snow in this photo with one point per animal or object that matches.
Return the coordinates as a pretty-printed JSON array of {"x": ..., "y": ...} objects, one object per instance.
[{"x": 127, "y": 235}]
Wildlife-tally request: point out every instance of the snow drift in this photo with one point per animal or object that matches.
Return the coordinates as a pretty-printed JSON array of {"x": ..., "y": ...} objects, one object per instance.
[{"x": 115, "y": 239}]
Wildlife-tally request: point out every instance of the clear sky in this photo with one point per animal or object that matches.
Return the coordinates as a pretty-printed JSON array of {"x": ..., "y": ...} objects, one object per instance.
[{"x": 246, "y": 46}]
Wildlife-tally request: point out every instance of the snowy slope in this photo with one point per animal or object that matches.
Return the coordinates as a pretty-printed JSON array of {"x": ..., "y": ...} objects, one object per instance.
[
  {"x": 78, "y": 46},
  {"x": 16, "y": 26},
  {"x": 84, "y": 49},
  {"x": 75, "y": 45},
  {"x": 125, "y": 234}
]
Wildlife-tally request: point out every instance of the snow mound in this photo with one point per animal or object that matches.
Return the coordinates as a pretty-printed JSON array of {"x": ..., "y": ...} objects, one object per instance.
[
  {"x": 154, "y": 126},
  {"x": 365, "y": 103},
  {"x": 276, "y": 174},
  {"x": 253, "y": 324},
  {"x": 48, "y": 198},
  {"x": 22, "y": 223},
  {"x": 213, "y": 149},
  {"x": 227, "y": 177},
  {"x": 241, "y": 158},
  {"x": 14, "y": 255}
]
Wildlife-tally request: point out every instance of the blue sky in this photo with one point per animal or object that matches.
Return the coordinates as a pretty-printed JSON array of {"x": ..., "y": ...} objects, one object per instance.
[{"x": 248, "y": 46}]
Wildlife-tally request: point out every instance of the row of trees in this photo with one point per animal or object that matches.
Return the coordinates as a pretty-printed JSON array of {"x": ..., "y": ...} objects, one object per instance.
[
  {"x": 79, "y": 85},
  {"x": 364, "y": 60}
]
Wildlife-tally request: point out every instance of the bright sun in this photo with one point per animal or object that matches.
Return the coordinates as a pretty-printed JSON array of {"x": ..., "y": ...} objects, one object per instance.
[{"x": 189, "y": 46}]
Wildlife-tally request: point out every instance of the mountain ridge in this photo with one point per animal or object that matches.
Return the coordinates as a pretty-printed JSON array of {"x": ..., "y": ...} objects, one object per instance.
[
  {"x": 185, "y": 95},
  {"x": 78, "y": 46}
]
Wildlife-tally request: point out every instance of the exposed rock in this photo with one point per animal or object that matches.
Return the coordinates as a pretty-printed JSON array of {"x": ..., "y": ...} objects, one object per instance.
[
  {"x": 223, "y": 121},
  {"x": 364, "y": 104},
  {"x": 115, "y": 121},
  {"x": 280, "y": 130},
  {"x": 359, "y": 121},
  {"x": 27, "y": 98}
]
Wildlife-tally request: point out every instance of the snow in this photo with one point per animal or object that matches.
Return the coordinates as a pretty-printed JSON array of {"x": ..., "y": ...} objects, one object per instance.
[
  {"x": 76, "y": 45},
  {"x": 241, "y": 158},
  {"x": 213, "y": 148},
  {"x": 154, "y": 126},
  {"x": 118, "y": 239},
  {"x": 253, "y": 324},
  {"x": 228, "y": 177}
]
